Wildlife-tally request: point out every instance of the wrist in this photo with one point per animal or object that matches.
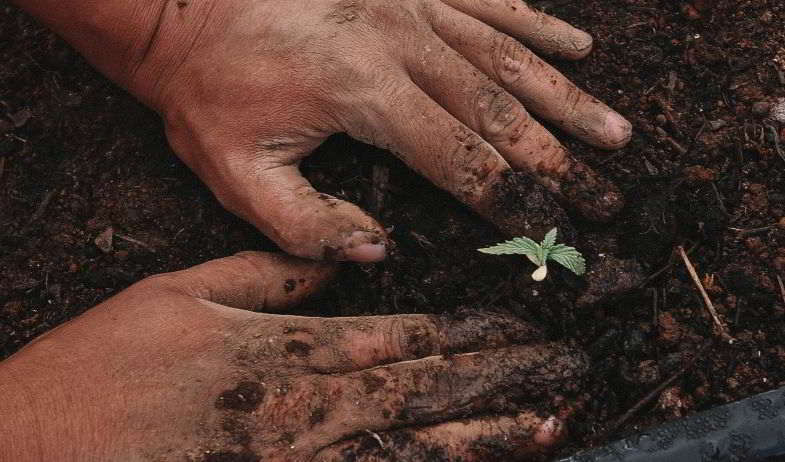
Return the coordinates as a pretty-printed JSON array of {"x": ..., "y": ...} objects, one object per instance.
[
  {"x": 136, "y": 43},
  {"x": 111, "y": 34},
  {"x": 21, "y": 434},
  {"x": 43, "y": 414},
  {"x": 178, "y": 28}
]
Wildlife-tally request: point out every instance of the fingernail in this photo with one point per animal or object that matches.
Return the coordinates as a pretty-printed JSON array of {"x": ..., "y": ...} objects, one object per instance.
[
  {"x": 582, "y": 42},
  {"x": 617, "y": 129},
  {"x": 550, "y": 432},
  {"x": 365, "y": 247}
]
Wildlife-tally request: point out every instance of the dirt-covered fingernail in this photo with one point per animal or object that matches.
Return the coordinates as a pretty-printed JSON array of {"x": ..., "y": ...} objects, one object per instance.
[
  {"x": 617, "y": 129},
  {"x": 582, "y": 42},
  {"x": 365, "y": 247},
  {"x": 550, "y": 432}
]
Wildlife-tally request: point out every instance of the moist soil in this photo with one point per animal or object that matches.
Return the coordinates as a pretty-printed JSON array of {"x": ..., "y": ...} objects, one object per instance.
[{"x": 78, "y": 155}]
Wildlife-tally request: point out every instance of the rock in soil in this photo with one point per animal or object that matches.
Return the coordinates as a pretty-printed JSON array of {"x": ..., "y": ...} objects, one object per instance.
[{"x": 104, "y": 240}]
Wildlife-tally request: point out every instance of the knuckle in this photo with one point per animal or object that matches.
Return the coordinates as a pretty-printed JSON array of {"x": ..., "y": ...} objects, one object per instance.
[
  {"x": 412, "y": 338},
  {"x": 572, "y": 98},
  {"x": 367, "y": 78},
  {"x": 471, "y": 162},
  {"x": 540, "y": 18},
  {"x": 375, "y": 14},
  {"x": 502, "y": 119},
  {"x": 299, "y": 405},
  {"x": 159, "y": 282},
  {"x": 509, "y": 58},
  {"x": 346, "y": 11},
  {"x": 368, "y": 110}
]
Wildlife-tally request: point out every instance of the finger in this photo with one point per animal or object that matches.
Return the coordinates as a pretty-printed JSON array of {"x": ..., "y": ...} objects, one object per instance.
[
  {"x": 466, "y": 440},
  {"x": 274, "y": 196},
  {"x": 441, "y": 388},
  {"x": 545, "y": 33},
  {"x": 372, "y": 341},
  {"x": 501, "y": 119},
  {"x": 250, "y": 280},
  {"x": 329, "y": 345},
  {"x": 540, "y": 87},
  {"x": 432, "y": 142}
]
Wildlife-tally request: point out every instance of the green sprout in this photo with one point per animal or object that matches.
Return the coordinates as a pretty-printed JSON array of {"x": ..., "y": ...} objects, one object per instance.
[{"x": 539, "y": 254}]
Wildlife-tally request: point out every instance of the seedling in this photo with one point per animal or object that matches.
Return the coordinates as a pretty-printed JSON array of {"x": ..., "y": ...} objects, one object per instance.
[{"x": 539, "y": 254}]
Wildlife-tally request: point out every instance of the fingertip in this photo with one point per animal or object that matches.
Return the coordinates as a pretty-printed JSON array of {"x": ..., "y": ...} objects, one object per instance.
[
  {"x": 618, "y": 130},
  {"x": 550, "y": 432},
  {"x": 365, "y": 246},
  {"x": 582, "y": 43},
  {"x": 366, "y": 253}
]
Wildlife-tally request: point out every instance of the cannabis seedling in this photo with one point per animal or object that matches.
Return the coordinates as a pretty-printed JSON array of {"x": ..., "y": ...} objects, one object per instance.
[{"x": 539, "y": 254}]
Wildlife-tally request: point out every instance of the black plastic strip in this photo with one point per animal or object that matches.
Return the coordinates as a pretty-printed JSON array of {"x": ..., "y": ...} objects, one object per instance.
[{"x": 747, "y": 430}]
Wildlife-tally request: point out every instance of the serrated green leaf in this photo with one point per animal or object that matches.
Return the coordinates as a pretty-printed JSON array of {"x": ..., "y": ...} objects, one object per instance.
[
  {"x": 538, "y": 254},
  {"x": 517, "y": 246},
  {"x": 568, "y": 257},
  {"x": 549, "y": 239}
]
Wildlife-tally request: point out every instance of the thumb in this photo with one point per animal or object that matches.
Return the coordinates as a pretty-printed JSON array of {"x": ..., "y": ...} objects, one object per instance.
[
  {"x": 251, "y": 280},
  {"x": 267, "y": 189},
  {"x": 260, "y": 182}
]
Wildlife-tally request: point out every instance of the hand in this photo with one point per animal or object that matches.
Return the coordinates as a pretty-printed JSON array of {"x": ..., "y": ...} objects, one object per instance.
[
  {"x": 248, "y": 88},
  {"x": 171, "y": 370}
]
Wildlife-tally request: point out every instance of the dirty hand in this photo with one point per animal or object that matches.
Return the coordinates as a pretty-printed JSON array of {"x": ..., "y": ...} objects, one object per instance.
[
  {"x": 248, "y": 88},
  {"x": 171, "y": 369}
]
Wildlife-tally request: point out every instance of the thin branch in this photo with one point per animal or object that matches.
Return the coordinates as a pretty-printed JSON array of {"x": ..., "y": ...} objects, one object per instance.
[
  {"x": 722, "y": 330},
  {"x": 654, "y": 393},
  {"x": 746, "y": 232},
  {"x": 135, "y": 241}
]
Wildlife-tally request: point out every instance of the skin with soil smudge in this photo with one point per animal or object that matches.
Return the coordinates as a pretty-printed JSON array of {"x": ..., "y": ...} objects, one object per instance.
[
  {"x": 288, "y": 388},
  {"x": 287, "y": 411},
  {"x": 106, "y": 159}
]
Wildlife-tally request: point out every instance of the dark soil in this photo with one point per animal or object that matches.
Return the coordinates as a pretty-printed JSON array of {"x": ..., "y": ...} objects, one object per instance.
[{"x": 78, "y": 155}]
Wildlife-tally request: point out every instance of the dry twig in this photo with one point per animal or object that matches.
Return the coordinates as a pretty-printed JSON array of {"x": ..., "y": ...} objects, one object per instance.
[
  {"x": 654, "y": 393},
  {"x": 722, "y": 330},
  {"x": 135, "y": 241},
  {"x": 782, "y": 288},
  {"x": 746, "y": 232},
  {"x": 775, "y": 135}
]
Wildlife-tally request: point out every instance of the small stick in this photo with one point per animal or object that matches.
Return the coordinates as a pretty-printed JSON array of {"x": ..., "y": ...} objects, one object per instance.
[
  {"x": 720, "y": 203},
  {"x": 653, "y": 394},
  {"x": 780, "y": 74},
  {"x": 782, "y": 288},
  {"x": 709, "y": 305},
  {"x": 41, "y": 209},
  {"x": 666, "y": 267},
  {"x": 679, "y": 148},
  {"x": 135, "y": 241},
  {"x": 745, "y": 232},
  {"x": 776, "y": 137},
  {"x": 655, "y": 305}
]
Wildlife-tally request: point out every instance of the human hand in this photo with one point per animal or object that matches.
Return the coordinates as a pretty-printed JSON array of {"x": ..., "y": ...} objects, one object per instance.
[
  {"x": 249, "y": 88},
  {"x": 170, "y": 369}
]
